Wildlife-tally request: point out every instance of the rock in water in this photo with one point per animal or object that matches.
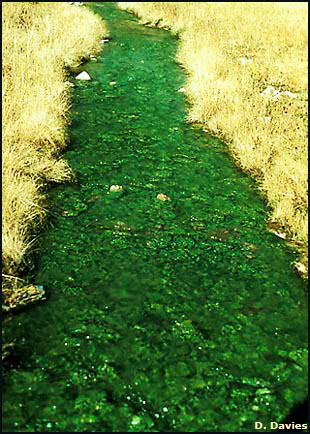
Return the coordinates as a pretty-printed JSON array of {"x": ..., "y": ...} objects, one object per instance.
[
  {"x": 163, "y": 197},
  {"x": 83, "y": 76},
  {"x": 115, "y": 188}
]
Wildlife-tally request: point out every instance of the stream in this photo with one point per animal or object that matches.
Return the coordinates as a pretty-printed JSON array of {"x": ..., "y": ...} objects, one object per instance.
[{"x": 170, "y": 313}]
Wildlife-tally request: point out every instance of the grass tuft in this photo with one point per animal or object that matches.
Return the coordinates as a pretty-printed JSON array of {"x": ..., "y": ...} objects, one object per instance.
[{"x": 40, "y": 39}]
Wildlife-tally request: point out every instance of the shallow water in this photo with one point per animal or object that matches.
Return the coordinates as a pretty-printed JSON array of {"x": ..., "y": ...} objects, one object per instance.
[{"x": 178, "y": 315}]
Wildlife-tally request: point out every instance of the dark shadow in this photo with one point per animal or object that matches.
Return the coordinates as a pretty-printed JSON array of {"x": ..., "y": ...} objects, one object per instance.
[{"x": 299, "y": 415}]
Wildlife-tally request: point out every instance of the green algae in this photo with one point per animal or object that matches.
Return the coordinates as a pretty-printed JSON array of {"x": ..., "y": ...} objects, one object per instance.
[{"x": 182, "y": 315}]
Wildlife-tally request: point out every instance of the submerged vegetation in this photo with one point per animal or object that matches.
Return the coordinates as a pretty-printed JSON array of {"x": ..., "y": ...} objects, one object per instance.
[
  {"x": 171, "y": 308},
  {"x": 248, "y": 83},
  {"x": 40, "y": 40}
]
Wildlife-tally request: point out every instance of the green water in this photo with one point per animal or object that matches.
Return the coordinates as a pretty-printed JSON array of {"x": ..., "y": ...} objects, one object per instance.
[{"x": 181, "y": 315}]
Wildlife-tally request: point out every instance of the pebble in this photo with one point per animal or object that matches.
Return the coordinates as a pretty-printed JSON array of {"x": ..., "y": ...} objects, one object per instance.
[
  {"x": 83, "y": 76},
  {"x": 115, "y": 188},
  {"x": 163, "y": 197}
]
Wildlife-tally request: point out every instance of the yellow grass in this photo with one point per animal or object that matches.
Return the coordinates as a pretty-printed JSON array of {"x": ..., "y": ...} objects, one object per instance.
[
  {"x": 233, "y": 52},
  {"x": 39, "y": 40}
]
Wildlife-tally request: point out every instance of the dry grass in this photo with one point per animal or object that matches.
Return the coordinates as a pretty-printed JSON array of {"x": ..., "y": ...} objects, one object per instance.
[
  {"x": 39, "y": 41},
  {"x": 233, "y": 52}
]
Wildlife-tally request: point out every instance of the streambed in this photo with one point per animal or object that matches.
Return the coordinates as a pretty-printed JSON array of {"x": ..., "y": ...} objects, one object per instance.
[{"x": 172, "y": 315}]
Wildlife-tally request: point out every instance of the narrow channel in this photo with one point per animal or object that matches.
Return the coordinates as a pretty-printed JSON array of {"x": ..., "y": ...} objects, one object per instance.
[{"x": 171, "y": 308}]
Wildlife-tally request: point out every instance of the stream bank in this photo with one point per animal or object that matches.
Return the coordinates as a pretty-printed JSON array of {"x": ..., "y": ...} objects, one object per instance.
[{"x": 177, "y": 315}]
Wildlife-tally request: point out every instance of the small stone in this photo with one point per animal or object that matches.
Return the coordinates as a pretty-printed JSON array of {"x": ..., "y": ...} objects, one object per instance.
[
  {"x": 68, "y": 83},
  {"x": 112, "y": 83},
  {"x": 115, "y": 188},
  {"x": 103, "y": 41},
  {"x": 181, "y": 90},
  {"x": 163, "y": 197},
  {"x": 83, "y": 76}
]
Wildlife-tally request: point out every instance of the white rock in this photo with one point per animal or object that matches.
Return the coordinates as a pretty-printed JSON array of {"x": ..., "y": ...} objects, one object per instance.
[
  {"x": 103, "y": 41},
  {"x": 181, "y": 90},
  {"x": 68, "y": 83},
  {"x": 83, "y": 76},
  {"x": 115, "y": 188}
]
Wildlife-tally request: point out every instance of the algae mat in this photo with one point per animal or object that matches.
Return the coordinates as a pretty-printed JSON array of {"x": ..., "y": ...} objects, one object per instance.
[{"x": 170, "y": 315}]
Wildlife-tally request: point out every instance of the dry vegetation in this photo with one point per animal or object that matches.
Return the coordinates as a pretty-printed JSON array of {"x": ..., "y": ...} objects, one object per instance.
[
  {"x": 39, "y": 41},
  {"x": 233, "y": 52}
]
